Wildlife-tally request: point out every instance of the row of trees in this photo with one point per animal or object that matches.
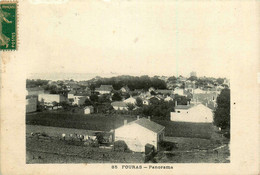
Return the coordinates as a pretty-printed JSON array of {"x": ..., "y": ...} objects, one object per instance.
[
  {"x": 143, "y": 82},
  {"x": 35, "y": 83},
  {"x": 199, "y": 81}
]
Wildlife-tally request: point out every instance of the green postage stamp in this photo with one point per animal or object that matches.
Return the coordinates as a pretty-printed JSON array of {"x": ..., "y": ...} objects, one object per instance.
[{"x": 8, "y": 28}]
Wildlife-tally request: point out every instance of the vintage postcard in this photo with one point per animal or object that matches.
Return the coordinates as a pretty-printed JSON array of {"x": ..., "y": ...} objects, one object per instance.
[{"x": 129, "y": 87}]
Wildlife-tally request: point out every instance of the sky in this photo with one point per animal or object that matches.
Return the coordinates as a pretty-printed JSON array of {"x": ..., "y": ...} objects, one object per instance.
[{"x": 129, "y": 37}]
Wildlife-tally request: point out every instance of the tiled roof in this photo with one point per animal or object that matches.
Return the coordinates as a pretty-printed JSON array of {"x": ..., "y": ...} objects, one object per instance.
[
  {"x": 184, "y": 106},
  {"x": 105, "y": 88},
  {"x": 164, "y": 91},
  {"x": 148, "y": 124},
  {"x": 72, "y": 92},
  {"x": 35, "y": 89},
  {"x": 81, "y": 94},
  {"x": 119, "y": 104}
]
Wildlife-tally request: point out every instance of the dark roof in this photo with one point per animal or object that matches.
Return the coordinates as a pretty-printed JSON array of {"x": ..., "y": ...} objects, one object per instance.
[
  {"x": 81, "y": 94},
  {"x": 35, "y": 89},
  {"x": 183, "y": 106},
  {"x": 164, "y": 91},
  {"x": 72, "y": 92},
  {"x": 148, "y": 124},
  {"x": 105, "y": 88}
]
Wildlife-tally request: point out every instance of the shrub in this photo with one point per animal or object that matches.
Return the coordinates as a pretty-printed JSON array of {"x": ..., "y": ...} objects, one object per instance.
[
  {"x": 120, "y": 146},
  {"x": 168, "y": 146}
]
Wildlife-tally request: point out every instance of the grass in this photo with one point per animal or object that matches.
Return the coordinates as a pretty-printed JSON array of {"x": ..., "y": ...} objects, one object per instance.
[
  {"x": 57, "y": 151},
  {"x": 78, "y": 121},
  {"x": 101, "y": 122},
  {"x": 184, "y": 129}
]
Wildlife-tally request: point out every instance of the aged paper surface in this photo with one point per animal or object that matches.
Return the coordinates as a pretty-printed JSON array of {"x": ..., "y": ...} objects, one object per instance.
[{"x": 112, "y": 37}]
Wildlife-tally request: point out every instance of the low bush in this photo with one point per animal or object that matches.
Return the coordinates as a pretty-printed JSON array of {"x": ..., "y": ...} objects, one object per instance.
[
  {"x": 120, "y": 146},
  {"x": 168, "y": 146}
]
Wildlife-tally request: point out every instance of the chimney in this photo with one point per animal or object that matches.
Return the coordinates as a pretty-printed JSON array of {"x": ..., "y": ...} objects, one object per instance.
[
  {"x": 176, "y": 103},
  {"x": 149, "y": 118},
  {"x": 125, "y": 122},
  {"x": 138, "y": 117}
]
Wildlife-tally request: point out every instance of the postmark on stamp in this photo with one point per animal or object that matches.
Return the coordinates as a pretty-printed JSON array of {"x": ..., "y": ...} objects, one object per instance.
[{"x": 8, "y": 25}]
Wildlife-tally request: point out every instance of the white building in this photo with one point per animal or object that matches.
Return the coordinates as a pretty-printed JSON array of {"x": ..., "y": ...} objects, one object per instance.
[
  {"x": 179, "y": 91},
  {"x": 168, "y": 99},
  {"x": 199, "y": 91},
  {"x": 192, "y": 113},
  {"x": 48, "y": 99},
  {"x": 131, "y": 100},
  {"x": 79, "y": 100},
  {"x": 88, "y": 110},
  {"x": 105, "y": 89},
  {"x": 119, "y": 105},
  {"x": 31, "y": 104},
  {"x": 71, "y": 94},
  {"x": 140, "y": 132}
]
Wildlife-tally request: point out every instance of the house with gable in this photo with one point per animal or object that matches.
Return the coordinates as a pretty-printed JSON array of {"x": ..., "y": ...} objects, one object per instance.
[
  {"x": 137, "y": 134},
  {"x": 105, "y": 89},
  {"x": 131, "y": 100},
  {"x": 88, "y": 110},
  {"x": 195, "y": 113},
  {"x": 119, "y": 105}
]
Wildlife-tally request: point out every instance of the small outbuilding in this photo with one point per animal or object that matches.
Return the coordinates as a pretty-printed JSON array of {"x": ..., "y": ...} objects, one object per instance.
[
  {"x": 119, "y": 105},
  {"x": 88, "y": 110}
]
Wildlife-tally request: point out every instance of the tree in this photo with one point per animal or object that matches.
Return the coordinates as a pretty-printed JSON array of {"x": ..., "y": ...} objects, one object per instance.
[
  {"x": 130, "y": 106},
  {"x": 193, "y": 78},
  {"x": 94, "y": 98},
  {"x": 222, "y": 112},
  {"x": 65, "y": 105},
  {"x": 220, "y": 80},
  {"x": 116, "y": 97},
  {"x": 88, "y": 102},
  {"x": 153, "y": 93},
  {"x": 181, "y": 100},
  {"x": 154, "y": 101},
  {"x": 172, "y": 79},
  {"x": 54, "y": 103},
  {"x": 104, "y": 98},
  {"x": 139, "y": 102},
  {"x": 92, "y": 87}
]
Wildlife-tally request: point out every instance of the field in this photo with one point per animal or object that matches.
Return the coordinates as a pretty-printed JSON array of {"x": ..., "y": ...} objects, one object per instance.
[
  {"x": 186, "y": 150},
  {"x": 101, "y": 122},
  {"x": 57, "y": 151},
  {"x": 94, "y": 122},
  {"x": 184, "y": 129},
  {"x": 193, "y": 142}
]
